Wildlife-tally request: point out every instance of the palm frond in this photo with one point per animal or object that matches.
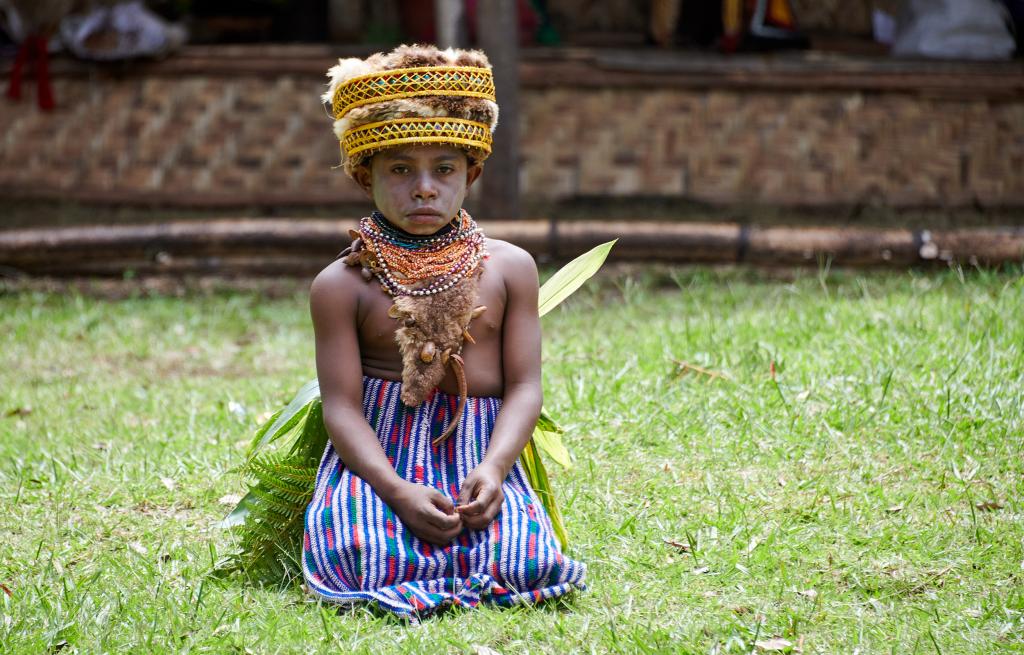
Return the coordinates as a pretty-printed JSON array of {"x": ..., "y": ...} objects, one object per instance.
[{"x": 269, "y": 518}]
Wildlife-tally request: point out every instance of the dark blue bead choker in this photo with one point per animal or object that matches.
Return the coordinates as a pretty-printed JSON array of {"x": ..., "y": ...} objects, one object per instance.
[{"x": 404, "y": 239}]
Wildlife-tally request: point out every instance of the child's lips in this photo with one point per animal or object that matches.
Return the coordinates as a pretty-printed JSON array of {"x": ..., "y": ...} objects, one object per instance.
[{"x": 424, "y": 216}]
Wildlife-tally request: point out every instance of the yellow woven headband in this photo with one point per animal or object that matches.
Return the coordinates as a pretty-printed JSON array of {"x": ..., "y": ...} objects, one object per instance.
[
  {"x": 453, "y": 81},
  {"x": 464, "y": 81},
  {"x": 369, "y": 138}
]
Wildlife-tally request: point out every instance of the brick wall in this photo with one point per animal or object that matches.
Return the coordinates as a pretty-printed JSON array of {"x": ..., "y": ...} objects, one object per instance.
[
  {"x": 175, "y": 138},
  {"x": 791, "y": 148},
  {"x": 723, "y": 135}
]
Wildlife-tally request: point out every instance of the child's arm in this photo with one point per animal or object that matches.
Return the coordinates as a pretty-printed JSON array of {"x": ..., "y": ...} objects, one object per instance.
[
  {"x": 481, "y": 496},
  {"x": 333, "y": 302}
]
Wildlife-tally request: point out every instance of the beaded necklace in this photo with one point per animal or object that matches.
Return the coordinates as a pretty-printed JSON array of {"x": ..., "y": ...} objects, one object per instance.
[{"x": 411, "y": 265}]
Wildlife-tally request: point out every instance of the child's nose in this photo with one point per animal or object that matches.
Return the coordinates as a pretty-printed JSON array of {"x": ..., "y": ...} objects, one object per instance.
[{"x": 425, "y": 188}]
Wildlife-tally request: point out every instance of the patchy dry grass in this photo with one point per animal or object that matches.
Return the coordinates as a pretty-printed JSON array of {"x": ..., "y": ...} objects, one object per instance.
[{"x": 839, "y": 468}]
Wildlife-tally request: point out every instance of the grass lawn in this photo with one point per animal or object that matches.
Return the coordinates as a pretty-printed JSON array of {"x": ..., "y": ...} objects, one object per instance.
[{"x": 867, "y": 498}]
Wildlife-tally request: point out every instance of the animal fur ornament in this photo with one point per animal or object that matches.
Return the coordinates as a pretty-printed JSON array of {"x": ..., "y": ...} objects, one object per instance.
[
  {"x": 434, "y": 311},
  {"x": 413, "y": 94}
]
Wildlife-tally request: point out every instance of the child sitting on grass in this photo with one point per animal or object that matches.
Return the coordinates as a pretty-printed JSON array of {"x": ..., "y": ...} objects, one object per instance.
[{"x": 428, "y": 357}]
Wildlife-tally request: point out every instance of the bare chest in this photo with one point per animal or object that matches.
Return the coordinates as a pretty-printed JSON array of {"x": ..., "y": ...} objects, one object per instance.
[{"x": 379, "y": 350}]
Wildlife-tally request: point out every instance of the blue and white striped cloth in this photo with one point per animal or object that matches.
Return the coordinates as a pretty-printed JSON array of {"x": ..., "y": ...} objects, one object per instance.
[{"x": 357, "y": 549}]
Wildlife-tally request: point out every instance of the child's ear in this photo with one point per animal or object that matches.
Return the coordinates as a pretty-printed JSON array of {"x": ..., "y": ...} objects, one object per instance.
[
  {"x": 361, "y": 174},
  {"x": 473, "y": 172}
]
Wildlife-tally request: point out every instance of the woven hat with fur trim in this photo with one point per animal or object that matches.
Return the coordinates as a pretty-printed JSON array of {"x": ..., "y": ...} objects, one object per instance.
[{"x": 415, "y": 94}]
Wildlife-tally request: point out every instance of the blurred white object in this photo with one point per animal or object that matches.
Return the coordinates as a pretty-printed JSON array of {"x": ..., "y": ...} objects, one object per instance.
[
  {"x": 953, "y": 29},
  {"x": 123, "y": 31},
  {"x": 883, "y": 26}
]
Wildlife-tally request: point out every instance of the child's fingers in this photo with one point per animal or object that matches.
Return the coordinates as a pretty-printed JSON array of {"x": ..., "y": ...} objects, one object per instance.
[
  {"x": 483, "y": 494},
  {"x": 471, "y": 509},
  {"x": 482, "y": 510},
  {"x": 437, "y": 517},
  {"x": 442, "y": 521},
  {"x": 468, "y": 491},
  {"x": 442, "y": 502},
  {"x": 483, "y": 519}
]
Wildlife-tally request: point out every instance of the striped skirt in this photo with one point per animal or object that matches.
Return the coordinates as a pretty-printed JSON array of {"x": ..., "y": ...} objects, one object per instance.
[{"x": 357, "y": 549}]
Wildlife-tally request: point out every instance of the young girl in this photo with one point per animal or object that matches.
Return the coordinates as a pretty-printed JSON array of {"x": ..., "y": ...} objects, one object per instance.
[{"x": 428, "y": 356}]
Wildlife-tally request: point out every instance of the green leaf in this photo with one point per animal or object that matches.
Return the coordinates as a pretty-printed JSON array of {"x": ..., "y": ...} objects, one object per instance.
[
  {"x": 572, "y": 276},
  {"x": 548, "y": 437},
  {"x": 240, "y": 513},
  {"x": 288, "y": 418},
  {"x": 262, "y": 430},
  {"x": 537, "y": 476},
  {"x": 312, "y": 439}
]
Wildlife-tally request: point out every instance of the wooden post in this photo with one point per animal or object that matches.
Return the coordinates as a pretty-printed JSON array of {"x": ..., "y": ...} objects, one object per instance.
[
  {"x": 498, "y": 36},
  {"x": 449, "y": 24},
  {"x": 344, "y": 19}
]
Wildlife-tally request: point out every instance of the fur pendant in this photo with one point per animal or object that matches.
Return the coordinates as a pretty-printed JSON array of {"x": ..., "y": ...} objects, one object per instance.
[{"x": 433, "y": 328}]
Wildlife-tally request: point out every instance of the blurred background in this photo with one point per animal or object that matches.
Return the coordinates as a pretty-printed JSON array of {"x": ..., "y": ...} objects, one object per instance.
[{"x": 823, "y": 113}]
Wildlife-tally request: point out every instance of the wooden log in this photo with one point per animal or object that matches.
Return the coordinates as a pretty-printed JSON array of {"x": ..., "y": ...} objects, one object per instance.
[
  {"x": 236, "y": 265},
  {"x": 302, "y": 247},
  {"x": 841, "y": 246},
  {"x": 648, "y": 241},
  {"x": 202, "y": 236},
  {"x": 985, "y": 247}
]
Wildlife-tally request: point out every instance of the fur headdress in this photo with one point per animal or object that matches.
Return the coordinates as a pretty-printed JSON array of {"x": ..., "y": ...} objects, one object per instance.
[{"x": 413, "y": 94}]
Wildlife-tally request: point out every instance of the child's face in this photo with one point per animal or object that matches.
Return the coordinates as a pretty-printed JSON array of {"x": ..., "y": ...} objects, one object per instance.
[{"x": 419, "y": 189}]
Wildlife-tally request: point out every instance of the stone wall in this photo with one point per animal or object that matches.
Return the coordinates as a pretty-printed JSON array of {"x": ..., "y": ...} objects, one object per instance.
[{"x": 722, "y": 133}]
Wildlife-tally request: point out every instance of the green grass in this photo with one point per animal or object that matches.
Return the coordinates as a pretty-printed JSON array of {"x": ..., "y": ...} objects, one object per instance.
[{"x": 867, "y": 499}]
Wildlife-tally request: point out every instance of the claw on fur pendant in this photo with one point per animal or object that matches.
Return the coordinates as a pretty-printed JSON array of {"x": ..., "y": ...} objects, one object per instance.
[
  {"x": 468, "y": 337},
  {"x": 459, "y": 368},
  {"x": 427, "y": 354},
  {"x": 476, "y": 312},
  {"x": 445, "y": 355}
]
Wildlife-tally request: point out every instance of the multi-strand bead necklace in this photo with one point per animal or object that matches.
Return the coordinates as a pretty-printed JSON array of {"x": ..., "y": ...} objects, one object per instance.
[{"x": 411, "y": 265}]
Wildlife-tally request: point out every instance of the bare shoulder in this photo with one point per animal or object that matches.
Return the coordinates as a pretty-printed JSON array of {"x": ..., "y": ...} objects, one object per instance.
[
  {"x": 515, "y": 264},
  {"x": 335, "y": 289}
]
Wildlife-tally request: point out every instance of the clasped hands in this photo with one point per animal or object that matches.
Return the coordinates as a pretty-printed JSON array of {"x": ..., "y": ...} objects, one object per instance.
[{"x": 434, "y": 518}]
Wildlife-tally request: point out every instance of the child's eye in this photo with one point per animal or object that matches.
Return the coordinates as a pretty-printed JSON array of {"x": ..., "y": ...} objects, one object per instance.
[
  {"x": 399, "y": 170},
  {"x": 445, "y": 169}
]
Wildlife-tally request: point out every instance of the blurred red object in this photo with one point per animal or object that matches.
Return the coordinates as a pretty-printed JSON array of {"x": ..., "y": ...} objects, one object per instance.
[
  {"x": 32, "y": 50},
  {"x": 417, "y": 21}
]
